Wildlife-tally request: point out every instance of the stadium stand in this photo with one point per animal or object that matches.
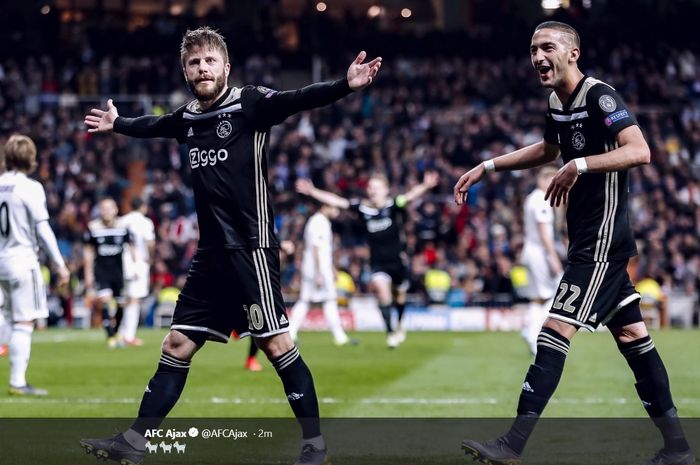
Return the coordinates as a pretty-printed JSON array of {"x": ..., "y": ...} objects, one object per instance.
[{"x": 442, "y": 112}]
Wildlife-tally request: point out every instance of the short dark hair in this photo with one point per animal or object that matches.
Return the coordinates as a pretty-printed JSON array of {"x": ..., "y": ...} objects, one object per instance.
[
  {"x": 203, "y": 37},
  {"x": 563, "y": 27},
  {"x": 136, "y": 203}
]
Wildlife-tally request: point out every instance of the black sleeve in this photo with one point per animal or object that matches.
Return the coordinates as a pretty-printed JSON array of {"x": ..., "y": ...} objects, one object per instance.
[
  {"x": 354, "y": 205},
  {"x": 607, "y": 109},
  {"x": 169, "y": 126},
  {"x": 87, "y": 237},
  {"x": 551, "y": 136},
  {"x": 267, "y": 107}
]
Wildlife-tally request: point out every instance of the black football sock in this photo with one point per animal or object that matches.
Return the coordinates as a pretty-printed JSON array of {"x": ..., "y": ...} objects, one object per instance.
[
  {"x": 253, "y": 349},
  {"x": 400, "y": 309},
  {"x": 540, "y": 383},
  {"x": 162, "y": 392},
  {"x": 299, "y": 387},
  {"x": 107, "y": 323},
  {"x": 118, "y": 316},
  {"x": 654, "y": 390},
  {"x": 386, "y": 314}
]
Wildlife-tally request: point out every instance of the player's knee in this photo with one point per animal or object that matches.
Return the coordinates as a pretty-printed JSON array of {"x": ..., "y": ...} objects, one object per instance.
[
  {"x": 179, "y": 345},
  {"x": 630, "y": 333},
  {"x": 275, "y": 346},
  {"x": 565, "y": 329}
]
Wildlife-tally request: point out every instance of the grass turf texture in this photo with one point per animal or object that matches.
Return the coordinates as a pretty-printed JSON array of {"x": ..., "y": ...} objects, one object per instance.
[{"x": 431, "y": 375}]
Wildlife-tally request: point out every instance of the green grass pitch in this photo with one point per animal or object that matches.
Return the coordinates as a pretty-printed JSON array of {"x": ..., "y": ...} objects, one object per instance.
[{"x": 431, "y": 375}]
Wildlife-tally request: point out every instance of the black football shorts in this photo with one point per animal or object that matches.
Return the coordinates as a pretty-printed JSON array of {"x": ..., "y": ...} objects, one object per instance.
[
  {"x": 109, "y": 286},
  {"x": 591, "y": 294},
  {"x": 232, "y": 290},
  {"x": 396, "y": 272}
]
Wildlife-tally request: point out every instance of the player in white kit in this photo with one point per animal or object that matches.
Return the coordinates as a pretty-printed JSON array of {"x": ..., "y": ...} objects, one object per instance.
[
  {"x": 318, "y": 276},
  {"x": 137, "y": 272},
  {"x": 24, "y": 220},
  {"x": 540, "y": 257}
]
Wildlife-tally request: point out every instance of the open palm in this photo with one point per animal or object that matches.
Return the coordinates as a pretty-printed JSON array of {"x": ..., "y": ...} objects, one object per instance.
[
  {"x": 360, "y": 74},
  {"x": 100, "y": 120}
]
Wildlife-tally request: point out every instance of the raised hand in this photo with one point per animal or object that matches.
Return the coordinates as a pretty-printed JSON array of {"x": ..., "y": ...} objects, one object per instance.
[
  {"x": 100, "y": 120},
  {"x": 304, "y": 186},
  {"x": 360, "y": 74},
  {"x": 467, "y": 180},
  {"x": 431, "y": 179}
]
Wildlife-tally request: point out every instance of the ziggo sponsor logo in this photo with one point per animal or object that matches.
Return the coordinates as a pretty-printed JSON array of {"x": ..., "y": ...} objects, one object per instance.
[{"x": 206, "y": 157}]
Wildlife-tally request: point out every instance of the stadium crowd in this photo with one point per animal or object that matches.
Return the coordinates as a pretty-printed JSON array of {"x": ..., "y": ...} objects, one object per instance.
[{"x": 441, "y": 114}]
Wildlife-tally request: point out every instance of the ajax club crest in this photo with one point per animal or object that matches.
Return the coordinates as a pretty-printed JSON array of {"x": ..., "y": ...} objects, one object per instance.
[{"x": 223, "y": 129}]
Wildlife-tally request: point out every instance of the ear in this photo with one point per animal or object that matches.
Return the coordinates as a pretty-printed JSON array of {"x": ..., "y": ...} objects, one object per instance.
[
  {"x": 574, "y": 54},
  {"x": 227, "y": 69}
]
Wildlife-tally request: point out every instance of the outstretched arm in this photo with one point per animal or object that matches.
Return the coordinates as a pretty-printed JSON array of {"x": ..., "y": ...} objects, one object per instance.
[
  {"x": 143, "y": 126},
  {"x": 267, "y": 107},
  {"x": 306, "y": 187},
  {"x": 430, "y": 180},
  {"x": 533, "y": 155}
]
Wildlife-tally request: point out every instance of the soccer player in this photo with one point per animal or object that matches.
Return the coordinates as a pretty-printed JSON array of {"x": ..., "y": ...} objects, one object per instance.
[
  {"x": 234, "y": 279},
  {"x": 539, "y": 256},
  {"x": 318, "y": 275},
  {"x": 383, "y": 218},
  {"x": 24, "y": 221},
  {"x": 599, "y": 140},
  {"x": 105, "y": 243},
  {"x": 137, "y": 273}
]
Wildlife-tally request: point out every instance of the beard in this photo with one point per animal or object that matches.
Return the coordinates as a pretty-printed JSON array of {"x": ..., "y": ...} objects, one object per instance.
[{"x": 206, "y": 95}]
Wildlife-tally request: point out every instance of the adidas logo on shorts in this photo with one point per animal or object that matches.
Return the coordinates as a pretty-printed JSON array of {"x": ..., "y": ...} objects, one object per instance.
[{"x": 283, "y": 320}]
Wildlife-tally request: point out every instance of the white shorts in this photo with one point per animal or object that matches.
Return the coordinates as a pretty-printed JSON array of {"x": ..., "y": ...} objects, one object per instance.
[
  {"x": 540, "y": 282},
  {"x": 138, "y": 288},
  {"x": 24, "y": 293},
  {"x": 310, "y": 292}
]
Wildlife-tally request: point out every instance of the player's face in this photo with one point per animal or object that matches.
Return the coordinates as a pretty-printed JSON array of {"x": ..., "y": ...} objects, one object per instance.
[
  {"x": 206, "y": 72},
  {"x": 552, "y": 53},
  {"x": 108, "y": 211},
  {"x": 377, "y": 191}
]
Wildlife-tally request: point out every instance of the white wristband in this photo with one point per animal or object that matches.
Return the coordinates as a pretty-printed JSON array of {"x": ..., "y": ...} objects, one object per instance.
[
  {"x": 581, "y": 166},
  {"x": 489, "y": 166}
]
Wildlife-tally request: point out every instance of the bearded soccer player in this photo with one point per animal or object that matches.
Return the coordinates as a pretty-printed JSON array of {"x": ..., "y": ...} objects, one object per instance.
[
  {"x": 233, "y": 283},
  {"x": 599, "y": 140}
]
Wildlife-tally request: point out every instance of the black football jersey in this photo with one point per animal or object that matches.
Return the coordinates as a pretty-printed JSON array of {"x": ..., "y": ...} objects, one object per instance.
[
  {"x": 385, "y": 230},
  {"x": 597, "y": 210},
  {"x": 227, "y": 150},
  {"x": 109, "y": 244}
]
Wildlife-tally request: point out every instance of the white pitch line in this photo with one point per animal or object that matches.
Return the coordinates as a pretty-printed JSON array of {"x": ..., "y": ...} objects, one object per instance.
[
  {"x": 333, "y": 400},
  {"x": 43, "y": 338}
]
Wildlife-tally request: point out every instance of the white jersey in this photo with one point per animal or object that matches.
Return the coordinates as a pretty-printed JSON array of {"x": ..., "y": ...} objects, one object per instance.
[
  {"x": 541, "y": 283},
  {"x": 142, "y": 231},
  {"x": 22, "y": 206},
  {"x": 537, "y": 211},
  {"x": 318, "y": 233}
]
